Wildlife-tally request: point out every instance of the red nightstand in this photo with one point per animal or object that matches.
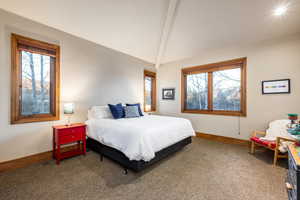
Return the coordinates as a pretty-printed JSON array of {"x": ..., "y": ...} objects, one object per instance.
[{"x": 69, "y": 134}]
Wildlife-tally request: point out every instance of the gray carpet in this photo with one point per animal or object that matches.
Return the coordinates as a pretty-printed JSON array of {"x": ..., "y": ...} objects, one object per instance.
[{"x": 205, "y": 170}]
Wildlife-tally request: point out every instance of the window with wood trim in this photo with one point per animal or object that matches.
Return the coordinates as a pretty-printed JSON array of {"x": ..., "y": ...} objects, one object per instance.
[
  {"x": 217, "y": 88},
  {"x": 34, "y": 80},
  {"x": 149, "y": 91}
]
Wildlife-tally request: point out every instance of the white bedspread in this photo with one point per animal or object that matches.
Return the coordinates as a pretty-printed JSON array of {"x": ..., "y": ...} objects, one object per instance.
[{"x": 139, "y": 138}]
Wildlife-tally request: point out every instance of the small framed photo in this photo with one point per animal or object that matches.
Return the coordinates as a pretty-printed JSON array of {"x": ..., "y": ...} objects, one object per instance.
[
  {"x": 168, "y": 93},
  {"x": 281, "y": 86}
]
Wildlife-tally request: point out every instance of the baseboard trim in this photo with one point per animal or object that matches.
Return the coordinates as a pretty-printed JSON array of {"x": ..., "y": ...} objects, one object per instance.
[
  {"x": 29, "y": 160},
  {"x": 46, "y": 156},
  {"x": 222, "y": 139}
]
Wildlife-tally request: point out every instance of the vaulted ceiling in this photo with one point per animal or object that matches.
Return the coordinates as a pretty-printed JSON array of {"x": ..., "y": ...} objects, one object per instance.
[{"x": 160, "y": 31}]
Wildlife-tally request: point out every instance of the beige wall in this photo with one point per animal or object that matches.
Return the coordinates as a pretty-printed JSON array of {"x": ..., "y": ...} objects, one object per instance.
[
  {"x": 266, "y": 61},
  {"x": 90, "y": 75}
]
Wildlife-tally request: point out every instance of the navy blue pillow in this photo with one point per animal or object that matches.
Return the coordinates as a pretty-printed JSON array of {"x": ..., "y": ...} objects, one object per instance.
[
  {"x": 139, "y": 107},
  {"x": 117, "y": 110}
]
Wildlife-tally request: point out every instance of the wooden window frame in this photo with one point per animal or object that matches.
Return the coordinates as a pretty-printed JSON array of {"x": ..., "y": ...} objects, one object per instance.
[
  {"x": 153, "y": 95},
  {"x": 230, "y": 64},
  {"x": 19, "y": 43}
]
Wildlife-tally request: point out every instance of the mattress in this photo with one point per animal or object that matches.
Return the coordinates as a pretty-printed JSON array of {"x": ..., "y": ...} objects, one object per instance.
[{"x": 139, "y": 138}]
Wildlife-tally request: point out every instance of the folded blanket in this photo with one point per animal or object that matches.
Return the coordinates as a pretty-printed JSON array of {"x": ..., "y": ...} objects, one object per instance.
[{"x": 278, "y": 128}]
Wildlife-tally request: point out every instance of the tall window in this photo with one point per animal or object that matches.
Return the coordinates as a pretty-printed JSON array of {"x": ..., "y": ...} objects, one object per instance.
[
  {"x": 218, "y": 88},
  {"x": 35, "y": 80},
  {"x": 149, "y": 91}
]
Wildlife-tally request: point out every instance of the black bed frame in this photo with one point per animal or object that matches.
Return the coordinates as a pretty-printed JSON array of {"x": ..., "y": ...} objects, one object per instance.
[{"x": 134, "y": 165}]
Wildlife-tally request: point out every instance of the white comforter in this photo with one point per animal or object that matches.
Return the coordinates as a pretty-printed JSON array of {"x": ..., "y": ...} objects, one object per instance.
[{"x": 139, "y": 138}]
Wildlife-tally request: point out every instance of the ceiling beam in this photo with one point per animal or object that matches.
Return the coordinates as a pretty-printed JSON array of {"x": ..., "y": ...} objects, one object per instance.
[{"x": 166, "y": 31}]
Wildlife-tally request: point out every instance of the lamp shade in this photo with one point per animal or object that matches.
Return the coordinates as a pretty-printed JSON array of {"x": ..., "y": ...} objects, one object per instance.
[{"x": 69, "y": 108}]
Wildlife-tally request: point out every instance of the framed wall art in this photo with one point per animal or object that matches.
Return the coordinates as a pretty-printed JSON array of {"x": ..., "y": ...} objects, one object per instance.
[
  {"x": 168, "y": 93},
  {"x": 280, "y": 86}
]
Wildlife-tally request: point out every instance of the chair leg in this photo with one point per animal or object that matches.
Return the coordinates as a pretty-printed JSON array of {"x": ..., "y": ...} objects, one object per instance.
[
  {"x": 276, "y": 150},
  {"x": 252, "y": 147},
  {"x": 275, "y": 157}
]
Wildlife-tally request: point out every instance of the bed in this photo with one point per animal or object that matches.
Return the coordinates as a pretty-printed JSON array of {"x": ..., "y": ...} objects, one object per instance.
[{"x": 136, "y": 143}]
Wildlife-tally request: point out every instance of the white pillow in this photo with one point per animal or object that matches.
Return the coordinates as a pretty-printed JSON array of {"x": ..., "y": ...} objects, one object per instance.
[{"x": 99, "y": 112}]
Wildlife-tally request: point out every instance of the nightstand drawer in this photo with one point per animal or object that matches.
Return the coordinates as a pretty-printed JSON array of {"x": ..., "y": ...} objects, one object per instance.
[
  {"x": 71, "y": 131},
  {"x": 68, "y": 138}
]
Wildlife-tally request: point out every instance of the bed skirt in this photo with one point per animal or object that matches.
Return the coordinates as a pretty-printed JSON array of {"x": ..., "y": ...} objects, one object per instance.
[{"x": 134, "y": 165}]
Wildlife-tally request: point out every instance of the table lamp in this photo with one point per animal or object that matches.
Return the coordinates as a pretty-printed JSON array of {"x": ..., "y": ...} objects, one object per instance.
[{"x": 69, "y": 111}]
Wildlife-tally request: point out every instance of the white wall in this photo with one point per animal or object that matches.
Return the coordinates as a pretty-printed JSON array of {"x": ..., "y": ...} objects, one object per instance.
[
  {"x": 266, "y": 61},
  {"x": 90, "y": 75}
]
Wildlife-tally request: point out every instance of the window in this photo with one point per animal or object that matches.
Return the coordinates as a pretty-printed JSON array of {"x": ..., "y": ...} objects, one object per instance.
[
  {"x": 218, "y": 88},
  {"x": 35, "y": 80},
  {"x": 149, "y": 91}
]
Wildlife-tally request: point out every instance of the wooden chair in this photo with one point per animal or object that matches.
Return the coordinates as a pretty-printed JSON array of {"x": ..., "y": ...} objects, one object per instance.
[{"x": 274, "y": 146}]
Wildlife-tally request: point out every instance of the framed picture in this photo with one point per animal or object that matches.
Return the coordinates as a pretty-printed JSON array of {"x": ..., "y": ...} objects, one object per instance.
[
  {"x": 168, "y": 93},
  {"x": 281, "y": 86}
]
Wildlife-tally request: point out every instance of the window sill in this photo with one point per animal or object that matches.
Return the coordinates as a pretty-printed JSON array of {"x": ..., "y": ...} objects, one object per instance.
[
  {"x": 34, "y": 119},
  {"x": 215, "y": 112}
]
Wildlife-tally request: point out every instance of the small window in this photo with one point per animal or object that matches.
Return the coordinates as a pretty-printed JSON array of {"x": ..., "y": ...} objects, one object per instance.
[
  {"x": 149, "y": 91},
  {"x": 217, "y": 88},
  {"x": 35, "y": 80}
]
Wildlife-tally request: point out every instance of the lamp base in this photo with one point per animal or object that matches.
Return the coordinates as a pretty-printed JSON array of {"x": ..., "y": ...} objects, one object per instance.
[{"x": 69, "y": 121}]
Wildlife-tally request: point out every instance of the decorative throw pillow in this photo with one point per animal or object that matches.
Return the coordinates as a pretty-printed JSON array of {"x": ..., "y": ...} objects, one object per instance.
[
  {"x": 139, "y": 107},
  {"x": 117, "y": 110},
  {"x": 131, "y": 111}
]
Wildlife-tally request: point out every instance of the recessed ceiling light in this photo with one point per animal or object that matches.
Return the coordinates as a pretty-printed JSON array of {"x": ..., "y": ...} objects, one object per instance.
[{"x": 280, "y": 10}]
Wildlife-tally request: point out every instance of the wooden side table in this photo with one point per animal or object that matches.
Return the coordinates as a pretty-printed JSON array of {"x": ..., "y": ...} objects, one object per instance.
[{"x": 69, "y": 134}]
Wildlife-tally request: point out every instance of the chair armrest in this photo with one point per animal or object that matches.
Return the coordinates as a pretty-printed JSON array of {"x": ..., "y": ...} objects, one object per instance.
[
  {"x": 255, "y": 133},
  {"x": 285, "y": 139},
  {"x": 278, "y": 139}
]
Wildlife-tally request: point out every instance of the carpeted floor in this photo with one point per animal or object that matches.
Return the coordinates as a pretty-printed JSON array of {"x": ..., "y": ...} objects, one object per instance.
[{"x": 205, "y": 170}]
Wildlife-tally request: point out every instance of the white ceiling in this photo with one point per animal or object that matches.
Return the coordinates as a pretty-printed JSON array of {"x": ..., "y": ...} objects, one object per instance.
[
  {"x": 209, "y": 24},
  {"x": 135, "y": 27}
]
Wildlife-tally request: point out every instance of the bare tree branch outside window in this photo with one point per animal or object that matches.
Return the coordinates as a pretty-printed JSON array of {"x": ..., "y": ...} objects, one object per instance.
[
  {"x": 226, "y": 90},
  {"x": 35, "y": 83}
]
